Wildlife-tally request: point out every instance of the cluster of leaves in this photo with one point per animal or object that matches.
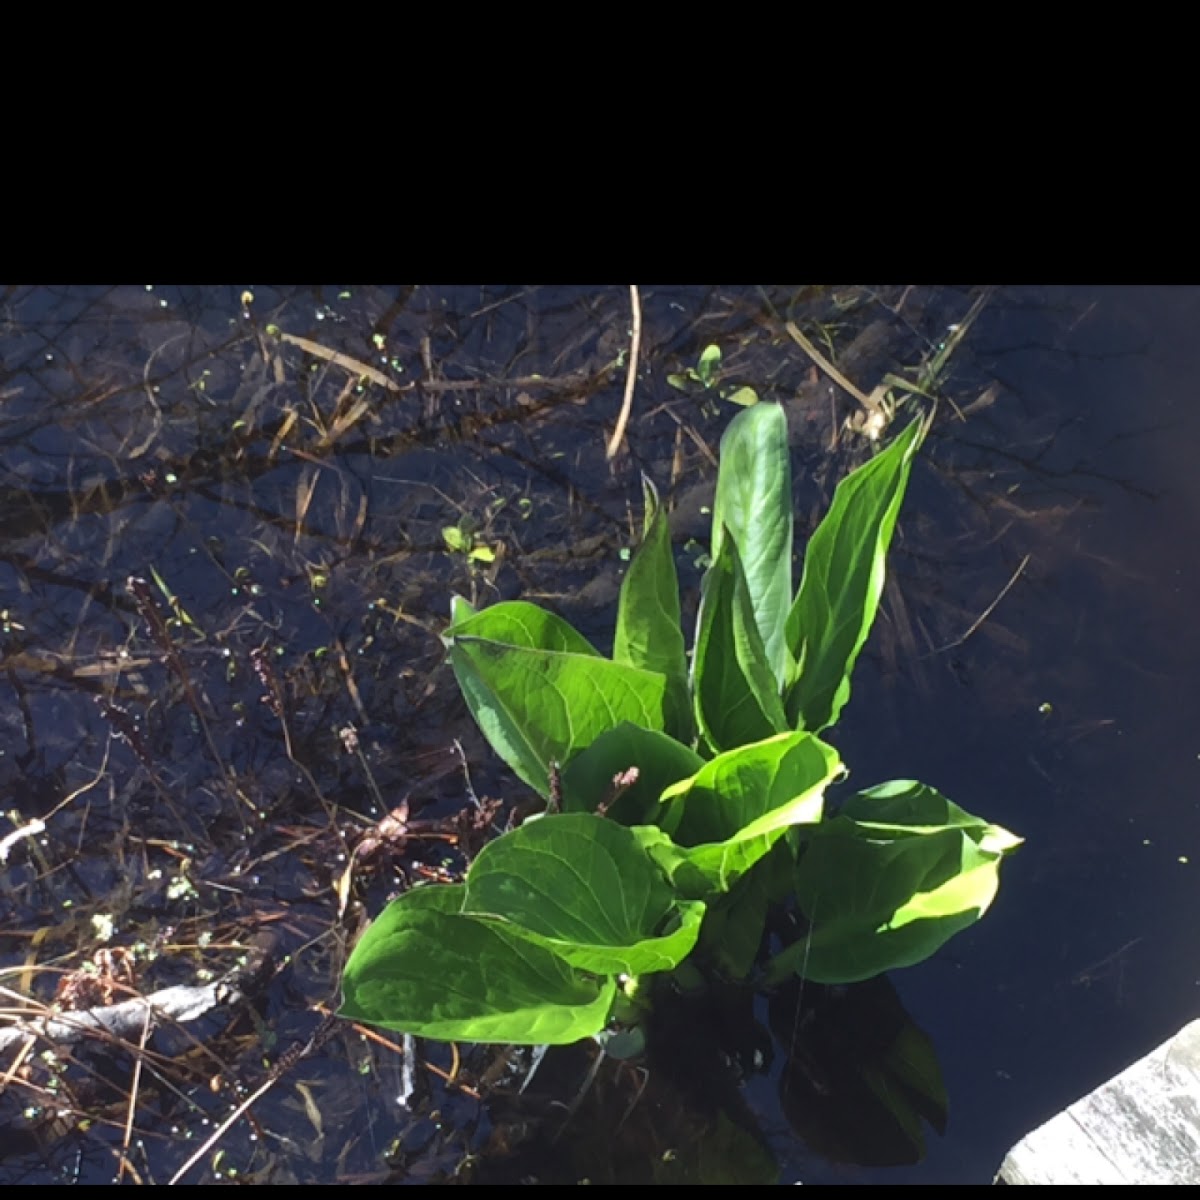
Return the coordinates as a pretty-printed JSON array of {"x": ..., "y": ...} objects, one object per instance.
[
  {"x": 706, "y": 374},
  {"x": 559, "y": 921}
]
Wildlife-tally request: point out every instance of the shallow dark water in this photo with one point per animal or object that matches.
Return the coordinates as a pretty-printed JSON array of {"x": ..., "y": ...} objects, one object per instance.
[
  {"x": 165, "y": 428},
  {"x": 1085, "y": 962}
]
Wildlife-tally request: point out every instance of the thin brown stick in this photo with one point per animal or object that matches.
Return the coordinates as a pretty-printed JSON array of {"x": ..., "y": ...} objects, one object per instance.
[
  {"x": 354, "y": 365},
  {"x": 829, "y": 369},
  {"x": 697, "y": 440},
  {"x": 221, "y": 1129},
  {"x": 987, "y": 612},
  {"x": 281, "y": 1068},
  {"x": 635, "y": 345},
  {"x": 18, "y": 1060},
  {"x": 125, "y": 1164}
]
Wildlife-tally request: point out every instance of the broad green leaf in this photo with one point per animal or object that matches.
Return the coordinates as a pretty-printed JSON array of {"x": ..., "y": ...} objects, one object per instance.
[
  {"x": 587, "y": 780},
  {"x": 437, "y": 897},
  {"x": 754, "y": 505},
  {"x": 540, "y": 692},
  {"x": 886, "y": 887},
  {"x": 585, "y": 888},
  {"x": 518, "y": 623},
  {"x": 904, "y": 808},
  {"x": 844, "y": 570},
  {"x": 648, "y": 629},
  {"x": 735, "y": 694},
  {"x": 733, "y": 810},
  {"x": 505, "y": 731},
  {"x": 463, "y": 978}
]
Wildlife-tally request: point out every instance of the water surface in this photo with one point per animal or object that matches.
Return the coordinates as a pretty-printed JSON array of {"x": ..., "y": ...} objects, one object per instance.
[{"x": 295, "y": 513}]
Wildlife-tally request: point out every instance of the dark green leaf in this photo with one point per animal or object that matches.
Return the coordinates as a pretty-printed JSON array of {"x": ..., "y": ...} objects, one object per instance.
[
  {"x": 660, "y": 760},
  {"x": 733, "y": 925}
]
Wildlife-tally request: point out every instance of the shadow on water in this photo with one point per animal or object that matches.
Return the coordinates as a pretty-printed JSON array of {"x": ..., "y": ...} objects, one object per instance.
[{"x": 303, "y": 478}]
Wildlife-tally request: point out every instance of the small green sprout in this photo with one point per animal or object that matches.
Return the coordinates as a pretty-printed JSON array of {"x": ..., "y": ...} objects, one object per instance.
[{"x": 459, "y": 539}]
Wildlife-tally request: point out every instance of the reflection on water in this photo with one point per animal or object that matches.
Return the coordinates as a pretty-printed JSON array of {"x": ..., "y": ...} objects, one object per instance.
[{"x": 281, "y": 469}]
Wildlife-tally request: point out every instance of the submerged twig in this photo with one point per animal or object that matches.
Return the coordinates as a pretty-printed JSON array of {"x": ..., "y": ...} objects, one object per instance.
[
  {"x": 987, "y": 612},
  {"x": 285, "y": 1064},
  {"x": 635, "y": 345},
  {"x": 144, "y": 600},
  {"x": 274, "y": 698},
  {"x": 354, "y": 365},
  {"x": 125, "y": 1164}
]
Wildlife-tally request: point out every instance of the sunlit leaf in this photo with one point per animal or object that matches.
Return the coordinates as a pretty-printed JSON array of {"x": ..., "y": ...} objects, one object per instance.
[
  {"x": 518, "y": 623},
  {"x": 733, "y": 810},
  {"x": 844, "y": 568},
  {"x": 439, "y": 897},
  {"x": 753, "y": 505},
  {"x": 460, "y": 609},
  {"x": 464, "y": 978},
  {"x": 706, "y": 368},
  {"x": 744, "y": 396},
  {"x": 889, "y": 880},
  {"x": 540, "y": 692},
  {"x": 586, "y": 889}
]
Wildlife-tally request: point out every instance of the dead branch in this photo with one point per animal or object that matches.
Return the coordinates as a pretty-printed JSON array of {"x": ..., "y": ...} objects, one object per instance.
[
  {"x": 614, "y": 443},
  {"x": 183, "y": 1002}
]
